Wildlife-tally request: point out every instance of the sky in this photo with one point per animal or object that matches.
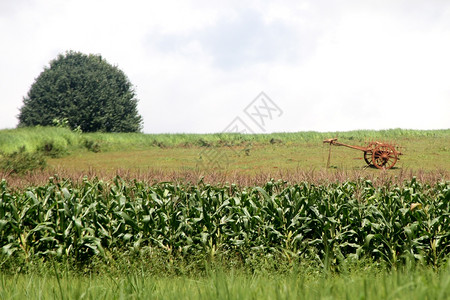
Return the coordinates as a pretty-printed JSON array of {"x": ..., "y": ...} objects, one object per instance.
[{"x": 248, "y": 66}]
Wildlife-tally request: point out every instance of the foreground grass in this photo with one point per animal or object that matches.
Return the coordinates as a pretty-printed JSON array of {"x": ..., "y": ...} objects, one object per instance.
[{"x": 411, "y": 284}]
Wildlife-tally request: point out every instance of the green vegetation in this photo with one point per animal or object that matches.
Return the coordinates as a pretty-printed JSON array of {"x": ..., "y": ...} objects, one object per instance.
[
  {"x": 129, "y": 240},
  {"x": 70, "y": 151},
  {"x": 171, "y": 229},
  {"x": 21, "y": 162},
  {"x": 35, "y": 137},
  {"x": 329, "y": 226},
  {"x": 299, "y": 284},
  {"x": 87, "y": 91}
]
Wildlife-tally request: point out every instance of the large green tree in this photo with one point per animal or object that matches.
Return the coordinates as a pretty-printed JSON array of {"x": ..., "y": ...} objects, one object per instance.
[{"x": 85, "y": 89}]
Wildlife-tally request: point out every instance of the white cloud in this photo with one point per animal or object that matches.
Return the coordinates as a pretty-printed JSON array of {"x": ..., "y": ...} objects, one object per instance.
[{"x": 197, "y": 64}]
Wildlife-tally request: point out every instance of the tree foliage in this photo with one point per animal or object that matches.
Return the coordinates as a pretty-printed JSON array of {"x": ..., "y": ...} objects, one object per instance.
[{"x": 87, "y": 91}]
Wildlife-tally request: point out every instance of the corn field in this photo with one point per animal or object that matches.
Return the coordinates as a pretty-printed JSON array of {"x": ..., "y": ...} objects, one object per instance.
[{"x": 329, "y": 224}]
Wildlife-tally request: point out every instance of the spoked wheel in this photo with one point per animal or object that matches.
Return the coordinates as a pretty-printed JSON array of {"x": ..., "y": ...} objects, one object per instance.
[
  {"x": 368, "y": 158},
  {"x": 384, "y": 157}
]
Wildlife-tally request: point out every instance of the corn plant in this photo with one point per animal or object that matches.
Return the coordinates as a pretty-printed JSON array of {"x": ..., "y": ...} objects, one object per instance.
[{"x": 328, "y": 224}]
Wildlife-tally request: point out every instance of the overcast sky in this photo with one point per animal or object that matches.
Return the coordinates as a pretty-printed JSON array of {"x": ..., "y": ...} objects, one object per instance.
[{"x": 197, "y": 65}]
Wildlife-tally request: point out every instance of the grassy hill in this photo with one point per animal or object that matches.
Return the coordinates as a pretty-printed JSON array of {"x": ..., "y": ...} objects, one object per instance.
[{"x": 65, "y": 140}]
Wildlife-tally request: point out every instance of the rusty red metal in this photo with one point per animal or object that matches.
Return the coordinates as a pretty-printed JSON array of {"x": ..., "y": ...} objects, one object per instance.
[{"x": 378, "y": 154}]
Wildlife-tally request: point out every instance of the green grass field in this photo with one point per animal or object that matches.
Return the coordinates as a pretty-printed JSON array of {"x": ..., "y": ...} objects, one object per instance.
[
  {"x": 420, "y": 154},
  {"x": 274, "y": 154}
]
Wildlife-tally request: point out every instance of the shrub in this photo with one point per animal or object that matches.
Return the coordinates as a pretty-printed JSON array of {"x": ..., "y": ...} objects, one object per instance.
[
  {"x": 53, "y": 149},
  {"x": 92, "y": 145},
  {"x": 21, "y": 161}
]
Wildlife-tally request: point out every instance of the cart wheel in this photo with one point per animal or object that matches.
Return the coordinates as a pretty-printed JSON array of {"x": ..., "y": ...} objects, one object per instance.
[
  {"x": 368, "y": 158},
  {"x": 384, "y": 157}
]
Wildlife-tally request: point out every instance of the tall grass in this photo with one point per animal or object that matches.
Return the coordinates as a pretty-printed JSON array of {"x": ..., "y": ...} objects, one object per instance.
[
  {"x": 136, "y": 284},
  {"x": 34, "y": 138}
]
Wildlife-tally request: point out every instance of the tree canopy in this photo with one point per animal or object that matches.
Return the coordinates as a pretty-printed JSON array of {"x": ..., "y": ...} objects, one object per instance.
[{"x": 87, "y": 91}]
